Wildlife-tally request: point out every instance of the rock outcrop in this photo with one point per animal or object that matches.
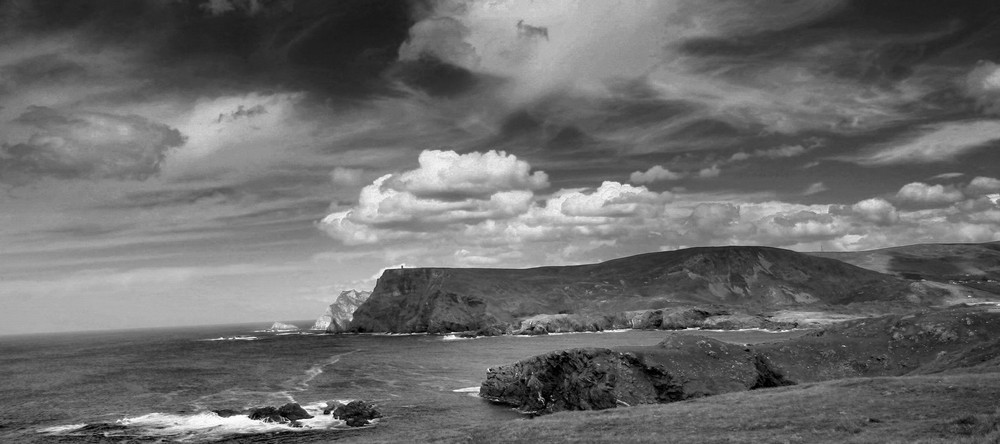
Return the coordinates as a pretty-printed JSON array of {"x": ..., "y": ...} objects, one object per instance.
[
  {"x": 682, "y": 367},
  {"x": 743, "y": 279},
  {"x": 686, "y": 366},
  {"x": 579, "y": 379},
  {"x": 339, "y": 314},
  {"x": 354, "y": 414},
  {"x": 281, "y": 326},
  {"x": 290, "y": 412}
]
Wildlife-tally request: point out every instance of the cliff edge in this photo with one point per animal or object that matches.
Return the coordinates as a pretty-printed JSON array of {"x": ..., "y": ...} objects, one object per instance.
[{"x": 744, "y": 279}]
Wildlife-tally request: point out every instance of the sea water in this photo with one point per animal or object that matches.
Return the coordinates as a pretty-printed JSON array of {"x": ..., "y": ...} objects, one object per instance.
[{"x": 161, "y": 385}]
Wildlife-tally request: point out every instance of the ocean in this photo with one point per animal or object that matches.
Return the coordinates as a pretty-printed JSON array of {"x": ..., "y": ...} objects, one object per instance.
[{"x": 160, "y": 385}]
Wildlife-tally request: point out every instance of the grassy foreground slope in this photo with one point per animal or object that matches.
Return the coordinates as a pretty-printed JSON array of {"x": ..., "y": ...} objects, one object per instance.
[{"x": 948, "y": 408}]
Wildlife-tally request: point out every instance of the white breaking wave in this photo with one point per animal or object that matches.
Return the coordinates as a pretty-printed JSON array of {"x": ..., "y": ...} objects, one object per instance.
[
  {"x": 207, "y": 425},
  {"x": 467, "y": 390},
  {"x": 233, "y": 338},
  {"x": 62, "y": 428},
  {"x": 454, "y": 338}
]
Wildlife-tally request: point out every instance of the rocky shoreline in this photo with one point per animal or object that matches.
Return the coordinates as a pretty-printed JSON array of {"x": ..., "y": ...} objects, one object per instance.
[{"x": 354, "y": 414}]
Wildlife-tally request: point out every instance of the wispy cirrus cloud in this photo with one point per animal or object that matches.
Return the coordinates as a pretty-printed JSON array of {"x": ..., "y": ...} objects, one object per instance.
[{"x": 939, "y": 142}]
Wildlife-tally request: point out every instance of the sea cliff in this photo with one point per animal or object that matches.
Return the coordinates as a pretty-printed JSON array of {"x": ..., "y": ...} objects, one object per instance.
[
  {"x": 339, "y": 314},
  {"x": 689, "y": 288}
]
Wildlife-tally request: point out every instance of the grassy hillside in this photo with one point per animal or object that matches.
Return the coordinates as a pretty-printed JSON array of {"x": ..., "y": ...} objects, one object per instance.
[
  {"x": 915, "y": 409},
  {"x": 973, "y": 266},
  {"x": 746, "y": 278}
]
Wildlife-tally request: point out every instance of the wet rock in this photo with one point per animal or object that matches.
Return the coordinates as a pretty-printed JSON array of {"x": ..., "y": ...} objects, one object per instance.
[
  {"x": 266, "y": 414},
  {"x": 331, "y": 406},
  {"x": 357, "y": 413},
  {"x": 225, "y": 413},
  {"x": 293, "y": 412}
]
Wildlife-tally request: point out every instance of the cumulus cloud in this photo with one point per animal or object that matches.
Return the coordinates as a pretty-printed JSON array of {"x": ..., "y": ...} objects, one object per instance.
[
  {"x": 920, "y": 193},
  {"x": 713, "y": 217},
  {"x": 877, "y": 210},
  {"x": 655, "y": 174},
  {"x": 447, "y": 188},
  {"x": 983, "y": 185},
  {"x": 449, "y": 174},
  {"x": 610, "y": 200},
  {"x": 506, "y": 227},
  {"x": 80, "y": 144},
  {"x": 709, "y": 172},
  {"x": 484, "y": 206},
  {"x": 941, "y": 142}
]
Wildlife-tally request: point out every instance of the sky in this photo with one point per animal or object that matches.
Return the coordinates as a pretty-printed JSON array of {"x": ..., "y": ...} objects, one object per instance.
[{"x": 167, "y": 163}]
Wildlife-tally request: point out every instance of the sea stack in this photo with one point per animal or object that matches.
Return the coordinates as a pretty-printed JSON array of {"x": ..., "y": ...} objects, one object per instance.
[
  {"x": 281, "y": 326},
  {"x": 339, "y": 314}
]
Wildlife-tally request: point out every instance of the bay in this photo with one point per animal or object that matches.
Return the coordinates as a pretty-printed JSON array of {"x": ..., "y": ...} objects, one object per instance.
[{"x": 162, "y": 384}]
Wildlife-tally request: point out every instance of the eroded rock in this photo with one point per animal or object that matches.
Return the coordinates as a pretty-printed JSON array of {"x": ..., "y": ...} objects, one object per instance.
[
  {"x": 356, "y": 413},
  {"x": 578, "y": 379}
]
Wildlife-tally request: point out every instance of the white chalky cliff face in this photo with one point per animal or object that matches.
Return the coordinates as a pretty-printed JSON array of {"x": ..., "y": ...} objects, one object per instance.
[{"x": 340, "y": 313}]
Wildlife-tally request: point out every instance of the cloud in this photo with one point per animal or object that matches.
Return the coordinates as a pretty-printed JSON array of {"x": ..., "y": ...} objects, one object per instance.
[
  {"x": 80, "y": 144},
  {"x": 484, "y": 205},
  {"x": 447, "y": 173},
  {"x": 710, "y": 172},
  {"x": 772, "y": 153},
  {"x": 983, "y": 85},
  {"x": 920, "y": 193},
  {"x": 442, "y": 38},
  {"x": 447, "y": 188},
  {"x": 815, "y": 188},
  {"x": 941, "y": 142},
  {"x": 945, "y": 176},
  {"x": 713, "y": 217},
  {"x": 610, "y": 200},
  {"x": 654, "y": 174},
  {"x": 581, "y": 225},
  {"x": 347, "y": 177},
  {"x": 876, "y": 210},
  {"x": 980, "y": 186}
]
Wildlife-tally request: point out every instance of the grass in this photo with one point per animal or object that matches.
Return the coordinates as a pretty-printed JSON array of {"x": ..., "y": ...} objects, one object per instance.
[{"x": 919, "y": 409}]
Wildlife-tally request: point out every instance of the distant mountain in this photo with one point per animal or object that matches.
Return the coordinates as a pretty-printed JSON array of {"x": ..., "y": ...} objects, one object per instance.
[
  {"x": 747, "y": 279},
  {"x": 339, "y": 314},
  {"x": 975, "y": 267}
]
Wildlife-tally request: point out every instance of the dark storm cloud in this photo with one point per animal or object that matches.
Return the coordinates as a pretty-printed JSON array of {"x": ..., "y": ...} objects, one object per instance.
[
  {"x": 86, "y": 145},
  {"x": 870, "y": 40},
  {"x": 327, "y": 47},
  {"x": 44, "y": 68}
]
